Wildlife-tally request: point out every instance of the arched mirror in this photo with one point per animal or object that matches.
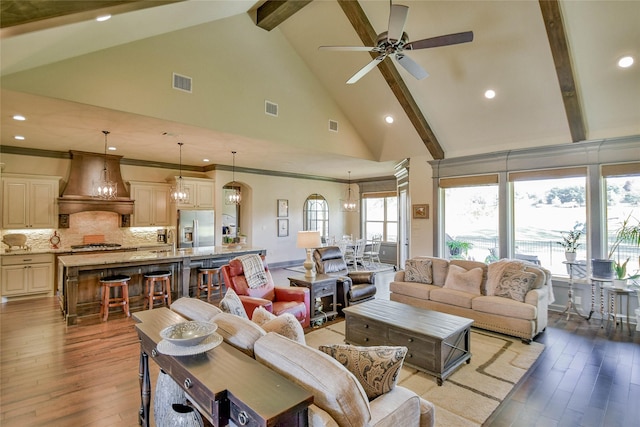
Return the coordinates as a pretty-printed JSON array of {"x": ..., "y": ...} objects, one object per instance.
[{"x": 316, "y": 215}]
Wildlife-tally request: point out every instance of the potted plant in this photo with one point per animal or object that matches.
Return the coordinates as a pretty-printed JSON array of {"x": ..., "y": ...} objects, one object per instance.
[
  {"x": 627, "y": 233},
  {"x": 570, "y": 244},
  {"x": 458, "y": 247}
]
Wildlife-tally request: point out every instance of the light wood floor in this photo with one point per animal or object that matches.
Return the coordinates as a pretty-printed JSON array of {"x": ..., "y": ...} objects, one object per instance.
[{"x": 53, "y": 375}]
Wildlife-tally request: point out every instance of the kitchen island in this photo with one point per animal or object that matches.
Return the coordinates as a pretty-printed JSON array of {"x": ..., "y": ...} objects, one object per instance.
[{"x": 78, "y": 283}]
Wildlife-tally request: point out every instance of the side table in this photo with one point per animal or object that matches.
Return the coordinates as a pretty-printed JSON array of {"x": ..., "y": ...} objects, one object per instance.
[
  {"x": 614, "y": 304},
  {"x": 322, "y": 289},
  {"x": 570, "y": 302}
]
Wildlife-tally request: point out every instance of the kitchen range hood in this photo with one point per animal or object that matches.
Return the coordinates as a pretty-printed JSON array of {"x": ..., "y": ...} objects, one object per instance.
[{"x": 77, "y": 195}]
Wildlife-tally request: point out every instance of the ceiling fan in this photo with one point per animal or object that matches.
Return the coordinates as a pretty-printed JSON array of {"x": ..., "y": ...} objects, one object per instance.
[{"x": 394, "y": 42}]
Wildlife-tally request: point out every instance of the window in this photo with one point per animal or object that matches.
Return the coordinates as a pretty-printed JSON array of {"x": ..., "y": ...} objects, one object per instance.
[
  {"x": 316, "y": 215},
  {"x": 623, "y": 202},
  {"x": 471, "y": 218},
  {"x": 547, "y": 205},
  {"x": 380, "y": 216}
]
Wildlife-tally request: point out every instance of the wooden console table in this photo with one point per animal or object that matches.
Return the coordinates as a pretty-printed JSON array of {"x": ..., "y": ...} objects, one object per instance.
[
  {"x": 223, "y": 383},
  {"x": 437, "y": 343}
]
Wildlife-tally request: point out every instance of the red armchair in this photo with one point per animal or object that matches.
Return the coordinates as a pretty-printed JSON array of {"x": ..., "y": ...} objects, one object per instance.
[{"x": 276, "y": 300}]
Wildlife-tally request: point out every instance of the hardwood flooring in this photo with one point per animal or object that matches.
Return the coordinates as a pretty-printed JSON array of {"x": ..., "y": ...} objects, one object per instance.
[{"x": 54, "y": 375}]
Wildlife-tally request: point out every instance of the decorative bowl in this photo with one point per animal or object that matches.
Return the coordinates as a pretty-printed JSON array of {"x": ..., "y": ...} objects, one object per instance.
[{"x": 188, "y": 333}]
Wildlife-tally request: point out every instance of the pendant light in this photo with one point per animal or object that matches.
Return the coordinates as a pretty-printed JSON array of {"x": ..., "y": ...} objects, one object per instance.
[
  {"x": 179, "y": 193},
  {"x": 233, "y": 197},
  {"x": 104, "y": 188},
  {"x": 350, "y": 204}
]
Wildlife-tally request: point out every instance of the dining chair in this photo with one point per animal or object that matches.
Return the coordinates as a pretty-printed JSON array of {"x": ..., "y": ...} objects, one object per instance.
[
  {"x": 373, "y": 254},
  {"x": 357, "y": 256}
]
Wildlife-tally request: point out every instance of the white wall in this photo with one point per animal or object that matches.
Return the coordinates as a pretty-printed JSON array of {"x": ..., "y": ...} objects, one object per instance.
[{"x": 421, "y": 192}]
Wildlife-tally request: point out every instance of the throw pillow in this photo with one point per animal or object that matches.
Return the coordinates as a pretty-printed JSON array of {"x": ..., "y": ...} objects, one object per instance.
[
  {"x": 463, "y": 280},
  {"x": 418, "y": 270},
  {"x": 261, "y": 316},
  {"x": 515, "y": 284},
  {"x": 376, "y": 368},
  {"x": 286, "y": 325},
  {"x": 231, "y": 304}
]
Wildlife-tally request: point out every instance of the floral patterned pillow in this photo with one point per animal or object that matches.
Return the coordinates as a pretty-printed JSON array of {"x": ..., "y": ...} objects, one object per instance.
[
  {"x": 515, "y": 284},
  {"x": 231, "y": 304},
  {"x": 376, "y": 368},
  {"x": 418, "y": 270},
  {"x": 261, "y": 316}
]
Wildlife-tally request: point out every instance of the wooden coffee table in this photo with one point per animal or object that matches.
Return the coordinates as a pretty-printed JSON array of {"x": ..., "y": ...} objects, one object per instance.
[{"x": 438, "y": 343}]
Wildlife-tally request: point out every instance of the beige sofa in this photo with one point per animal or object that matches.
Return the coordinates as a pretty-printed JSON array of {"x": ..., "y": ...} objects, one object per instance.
[
  {"x": 339, "y": 399},
  {"x": 507, "y": 296}
]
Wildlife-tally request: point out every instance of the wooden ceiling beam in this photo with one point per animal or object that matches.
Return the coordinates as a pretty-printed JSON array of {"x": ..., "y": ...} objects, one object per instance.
[
  {"x": 274, "y": 12},
  {"x": 552, "y": 16},
  {"x": 367, "y": 34}
]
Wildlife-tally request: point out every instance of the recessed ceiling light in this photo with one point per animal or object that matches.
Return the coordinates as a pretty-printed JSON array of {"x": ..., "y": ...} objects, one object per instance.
[
  {"x": 19, "y": 137},
  {"x": 388, "y": 119},
  {"x": 205, "y": 160},
  {"x": 19, "y": 117},
  {"x": 625, "y": 62},
  {"x": 490, "y": 94},
  {"x": 103, "y": 18},
  {"x": 112, "y": 148}
]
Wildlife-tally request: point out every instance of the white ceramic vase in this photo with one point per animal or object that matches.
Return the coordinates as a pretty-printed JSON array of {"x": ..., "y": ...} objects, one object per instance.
[
  {"x": 167, "y": 393},
  {"x": 619, "y": 283},
  {"x": 182, "y": 416}
]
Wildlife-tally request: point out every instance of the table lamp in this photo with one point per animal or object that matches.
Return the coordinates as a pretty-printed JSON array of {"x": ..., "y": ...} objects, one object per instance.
[{"x": 309, "y": 240}]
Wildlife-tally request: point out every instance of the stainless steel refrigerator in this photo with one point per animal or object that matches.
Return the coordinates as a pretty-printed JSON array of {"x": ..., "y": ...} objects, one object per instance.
[{"x": 195, "y": 228}]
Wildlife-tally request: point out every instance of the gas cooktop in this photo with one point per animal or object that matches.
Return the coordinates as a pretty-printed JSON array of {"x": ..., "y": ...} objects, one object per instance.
[{"x": 97, "y": 246}]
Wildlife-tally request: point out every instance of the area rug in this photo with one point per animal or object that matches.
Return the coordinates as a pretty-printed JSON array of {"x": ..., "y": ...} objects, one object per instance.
[
  {"x": 473, "y": 391},
  {"x": 375, "y": 267}
]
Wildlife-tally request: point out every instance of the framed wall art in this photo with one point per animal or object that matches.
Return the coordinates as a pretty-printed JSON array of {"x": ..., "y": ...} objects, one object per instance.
[
  {"x": 283, "y": 227},
  {"x": 283, "y": 207},
  {"x": 421, "y": 211}
]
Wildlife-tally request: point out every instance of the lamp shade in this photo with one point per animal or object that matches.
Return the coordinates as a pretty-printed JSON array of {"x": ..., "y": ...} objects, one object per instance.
[{"x": 309, "y": 239}]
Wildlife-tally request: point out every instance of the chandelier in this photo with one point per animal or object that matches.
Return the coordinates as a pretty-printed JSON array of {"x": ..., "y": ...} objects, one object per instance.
[
  {"x": 179, "y": 193},
  {"x": 104, "y": 188},
  {"x": 350, "y": 204},
  {"x": 233, "y": 196}
]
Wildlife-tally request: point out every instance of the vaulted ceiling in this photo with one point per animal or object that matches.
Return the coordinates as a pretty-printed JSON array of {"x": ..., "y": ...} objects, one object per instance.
[{"x": 551, "y": 64}]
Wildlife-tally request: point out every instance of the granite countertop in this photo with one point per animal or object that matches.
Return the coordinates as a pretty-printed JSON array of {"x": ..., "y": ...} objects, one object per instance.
[
  {"x": 68, "y": 250},
  {"x": 77, "y": 260}
]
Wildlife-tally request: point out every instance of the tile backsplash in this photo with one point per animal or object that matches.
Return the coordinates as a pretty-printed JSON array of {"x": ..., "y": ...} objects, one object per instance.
[{"x": 85, "y": 223}]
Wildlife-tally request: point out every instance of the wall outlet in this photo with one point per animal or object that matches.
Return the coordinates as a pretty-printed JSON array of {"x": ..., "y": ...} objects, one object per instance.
[{"x": 578, "y": 300}]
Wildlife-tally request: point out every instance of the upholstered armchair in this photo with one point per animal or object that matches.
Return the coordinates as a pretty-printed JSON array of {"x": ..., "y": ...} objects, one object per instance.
[
  {"x": 354, "y": 287},
  {"x": 277, "y": 300}
]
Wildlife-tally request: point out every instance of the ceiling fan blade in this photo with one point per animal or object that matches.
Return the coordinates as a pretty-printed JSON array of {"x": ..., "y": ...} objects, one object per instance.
[
  {"x": 446, "y": 40},
  {"x": 349, "y": 48},
  {"x": 411, "y": 66},
  {"x": 370, "y": 66},
  {"x": 397, "y": 19}
]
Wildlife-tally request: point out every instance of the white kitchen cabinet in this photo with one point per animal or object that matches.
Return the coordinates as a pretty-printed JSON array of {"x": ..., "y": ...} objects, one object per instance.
[
  {"x": 151, "y": 205},
  {"x": 26, "y": 274},
  {"x": 201, "y": 193},
  {"x": 29, "y": 202}
]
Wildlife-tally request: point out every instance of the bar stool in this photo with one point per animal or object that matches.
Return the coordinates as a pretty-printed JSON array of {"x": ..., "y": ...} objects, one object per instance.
[
  {"x": 153, "y": 293},
  {"x": 205, "y": 281},
  {"x": 106, "y": 301}
]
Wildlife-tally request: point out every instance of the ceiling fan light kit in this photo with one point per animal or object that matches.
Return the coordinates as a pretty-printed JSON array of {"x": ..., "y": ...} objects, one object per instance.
[{"x": 394, "y": 42}]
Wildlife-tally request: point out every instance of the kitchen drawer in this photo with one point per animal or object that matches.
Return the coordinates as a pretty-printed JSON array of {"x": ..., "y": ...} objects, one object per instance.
[{"x": 26, "y": 259}]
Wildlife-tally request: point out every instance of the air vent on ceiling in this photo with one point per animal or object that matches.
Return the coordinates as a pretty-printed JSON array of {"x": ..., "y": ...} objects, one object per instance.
[
  {"x": 271, "y": 108},
  {"x": 182, "y": 82},
  {"x": 333, "y": 126}
]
